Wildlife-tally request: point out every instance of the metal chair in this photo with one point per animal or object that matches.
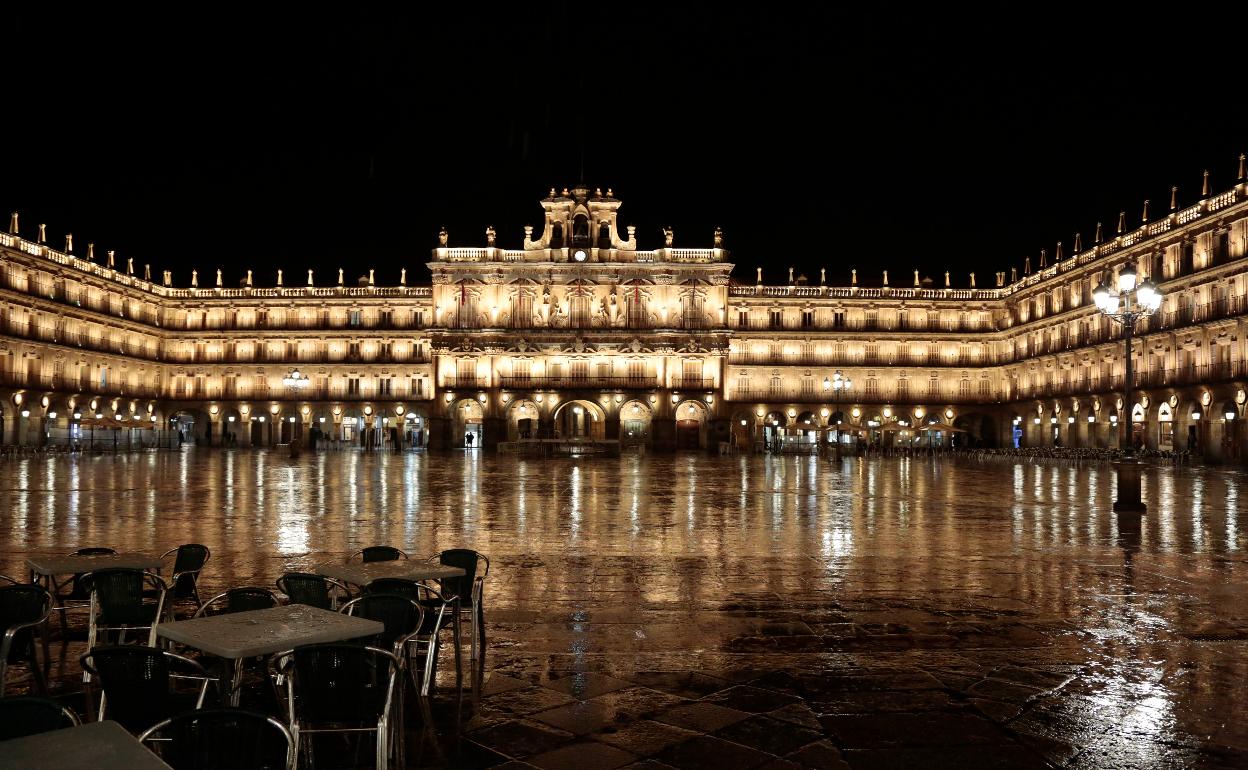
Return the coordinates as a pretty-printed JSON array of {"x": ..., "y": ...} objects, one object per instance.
[
  {"x": 440, "y": 612},
  {"x": 188, "y": 562},
  {"x": 78, "y": 596},
  {"x": 222, "y": 738},
  {"x": 136, "y": 684},
  {"x": 378, "y": 553},
  {"x": 23, "y": 715},
  {"x": 23, "y": 608},
  {"x": 471, "y": 592},
  {"x": 118, "y": 604},
  {"x": 242, "y": 599},
  {"x": 343, "y": 688},
  {"x": 313, "y": 590}
]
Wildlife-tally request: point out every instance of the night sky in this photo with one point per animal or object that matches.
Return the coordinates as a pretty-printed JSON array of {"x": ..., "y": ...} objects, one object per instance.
[{"x": 815, "y": 138}]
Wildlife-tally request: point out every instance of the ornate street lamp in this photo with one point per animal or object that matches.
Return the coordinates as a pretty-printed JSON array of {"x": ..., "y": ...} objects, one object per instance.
[
  {"x": 837, "y": 383},
  {"x": 1127, "y": 306},
  {"x": 296, "y": 380}
]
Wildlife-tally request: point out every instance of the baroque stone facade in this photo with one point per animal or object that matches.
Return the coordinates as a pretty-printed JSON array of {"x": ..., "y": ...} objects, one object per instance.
[{"x": 580, "y": 333}]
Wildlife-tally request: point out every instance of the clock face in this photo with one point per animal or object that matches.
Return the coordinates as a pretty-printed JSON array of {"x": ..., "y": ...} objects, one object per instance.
[{"x": 580, "y": 255}]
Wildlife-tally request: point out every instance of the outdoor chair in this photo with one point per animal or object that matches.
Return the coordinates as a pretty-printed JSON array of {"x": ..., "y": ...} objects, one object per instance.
[
  {"x": 470, "y": 590},
  {"x": 439, "y": 614},
  {"x": 137, "y": 684},
  {"x": 242, "y": 599},
  {"x": 403, "y": 619},
  {"x": 118, "y": 604},
  {"x": 343, "y": 688},
  {"x": 214, "y": 738},
  {"x": 313, "y": 590},
  {"x": 378, "y": 553},
  {"x": 73, "y": 594},
  {"x": 188, "y": 562},
  {"x": 24, "y": 607},
  {"x": 23, "y": 715}
]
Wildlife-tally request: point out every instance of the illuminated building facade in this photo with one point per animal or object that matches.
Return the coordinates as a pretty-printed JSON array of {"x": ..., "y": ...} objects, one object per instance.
[{"x": 579, "y": 333}]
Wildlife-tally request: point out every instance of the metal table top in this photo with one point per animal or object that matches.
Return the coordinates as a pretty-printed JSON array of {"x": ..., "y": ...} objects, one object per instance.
[
  {"x": 95, "y": 746},
  {"x": 69, "y": 565},
  {"x": 263, "y": 632},
  {"x": 363, "y": 573}
]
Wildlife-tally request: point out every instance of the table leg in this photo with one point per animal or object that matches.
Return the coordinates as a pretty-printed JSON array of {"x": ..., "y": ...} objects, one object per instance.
[{"x": 236, "y": 685}]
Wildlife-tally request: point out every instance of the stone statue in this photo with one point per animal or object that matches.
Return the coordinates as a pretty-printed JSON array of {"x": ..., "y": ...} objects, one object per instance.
[
  {"x": 218, "y": 277},
  {"x": 310, "y": 278},
  {"x": 885, "y": 277},
  {"x": 946, "y": 279},
  {"x": 129, "y": 265},
  {"x": 248, "y": 282},
  {"x": 1027, "y": 266},
  {"x": 790, "y": 275},
  {"x": 279, "y": 276},
  {"x": 13, "y": 223},
  {"x": 340, "y": 276},
  {"x": 43, "y": 233},
  {"x": 168, "y": 278},
  {"x": 759, "y": 270},
  {"x": 69, "y": 243},
  {"x": 823, "y": 276},
  {"x": 668, "y": 236},
  {"x": 403, "y": 277},
  {"x": 443, "y": 236},
  {"x": 112, "y": 259},
  {"x": 972, "y": 280},
  {"x": 194, "y": 278},
  {"x": 853, "y": 277},
  {"x": 528, "y": 233},
  {"x": 490, "y": 235},
  {"x": 90, "y": 252},
  {"x": 370, "y": 277},
  {"x": 147, "y": 272},
  {"x": 719, "y": 237}
]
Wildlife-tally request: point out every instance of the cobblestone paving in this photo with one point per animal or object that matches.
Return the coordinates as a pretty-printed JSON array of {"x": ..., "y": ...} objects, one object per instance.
[{"x": 688, "y": 611}]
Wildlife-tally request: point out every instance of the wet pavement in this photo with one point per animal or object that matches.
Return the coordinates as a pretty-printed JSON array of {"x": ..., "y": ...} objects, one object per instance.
[{"x": 691, "y": 611}]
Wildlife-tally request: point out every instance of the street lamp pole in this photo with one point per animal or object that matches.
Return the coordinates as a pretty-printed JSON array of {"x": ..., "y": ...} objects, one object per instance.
[{"x": 1126, "y": 306}]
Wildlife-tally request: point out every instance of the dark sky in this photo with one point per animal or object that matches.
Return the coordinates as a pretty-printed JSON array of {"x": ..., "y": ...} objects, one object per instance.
[{"x": 813, "y": 137}]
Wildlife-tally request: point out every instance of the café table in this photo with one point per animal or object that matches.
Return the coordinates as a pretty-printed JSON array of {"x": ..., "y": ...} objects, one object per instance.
[
  {"x": 94, "y": 746},
  {"x": 363, "y": 573},
  {"x": 48, "y": 567},
  {"x": 238, "y": 636}
]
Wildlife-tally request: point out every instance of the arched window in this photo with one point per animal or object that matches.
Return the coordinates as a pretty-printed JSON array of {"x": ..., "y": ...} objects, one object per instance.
[{"x": 580, "y": 232}]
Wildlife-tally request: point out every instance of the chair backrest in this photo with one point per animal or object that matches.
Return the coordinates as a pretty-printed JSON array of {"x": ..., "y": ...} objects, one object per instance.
[
  {"x": 470, "y": 562},
  {"x": 381, "y": 553},
  {"x": 401, "y": 615},
  {"x": 340, "y": 683},
  {"x": 222, "y": 738},
  {"x": 77, "y": 589},
  {"x": 188, "y": 561},
  {"x": 23, "y": 715},
  {"x": 118, "y": 595},
  {"x": 135, "y": 681},
  {"x": 241, "y": 599},
  {"x": 22, "y": 604},
  {"x": 306, "y": 588},
  {"x": 401, "y": 586},
  {"x": 433, "y": 604}
]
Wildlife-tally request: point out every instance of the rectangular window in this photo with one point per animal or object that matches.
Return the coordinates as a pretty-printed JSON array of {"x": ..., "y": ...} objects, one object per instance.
[
  {"x": 808, "y": 319},
  {"x": 353, "y": 386},
  {"x": 385, "y": 319},
  {"x": 103, "y": 377},
  {"x": 384, "y": 386},
  {"x": 838, "y": 319},
  {"x": 776, "y": 318},
  {"x": 743, "y": 319},
  {"x": 355, "y": 317},
  {"x": 353, "y": 351},
  {"x": 418, "y": 318},
  {"x": 383, "y": 351},
  {"x": 262, "y": 318}
]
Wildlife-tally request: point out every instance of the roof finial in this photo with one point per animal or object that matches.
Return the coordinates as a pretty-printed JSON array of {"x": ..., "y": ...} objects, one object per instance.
[
  {"x": 1144, "y": 219},
  {"x": 279, "y": 276},
  {"x": 219, "y": 284},
  {"x": 310, "y": 283},
  {"x": 759, "y": 270},
  {"x": 853, "y": 277},
  {"x": 1057, "y": 258},
  {"x": 370, "y": 276},
  {"x": 13, "y": 223},
  {"x": 112, "y": 259},
  {"x": 90, "y": 252},
  {"x": 916, "y": 279},
  {"x": 43, "y": 233},
  {"x": 129, "y": 265},
  {"x": 1122, "y": 222},
  {"x": 823, "y": 276},
  {"x": 1204, "y": 185},
  {"x": 340, "y": 276},
  {"x": 147, "y": 272},
  {"x": 972, "y": 280},
  {"x": 947, "y": 279},
  {"x": 1174, "y": 197},
  {"x": 1027, "y": 265},
  {"x": 1243, "y": 167},
  {"x": 1044, "y": 258},
  {"x": 69, "y": 243},
  {"x": 247, "y": 280},
  {"x": 194, "y": 279},
  {"x": 403, "y": 277},
  {"x": 1097, "y": 238},
  {"x": 885, "y": 279},
  {"x": 790, "y": 275}
]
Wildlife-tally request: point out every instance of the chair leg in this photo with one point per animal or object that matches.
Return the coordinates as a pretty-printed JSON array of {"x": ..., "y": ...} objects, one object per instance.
[
  {"x": 383, "y": 745},
  {"x": 40, "y": 682}
]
